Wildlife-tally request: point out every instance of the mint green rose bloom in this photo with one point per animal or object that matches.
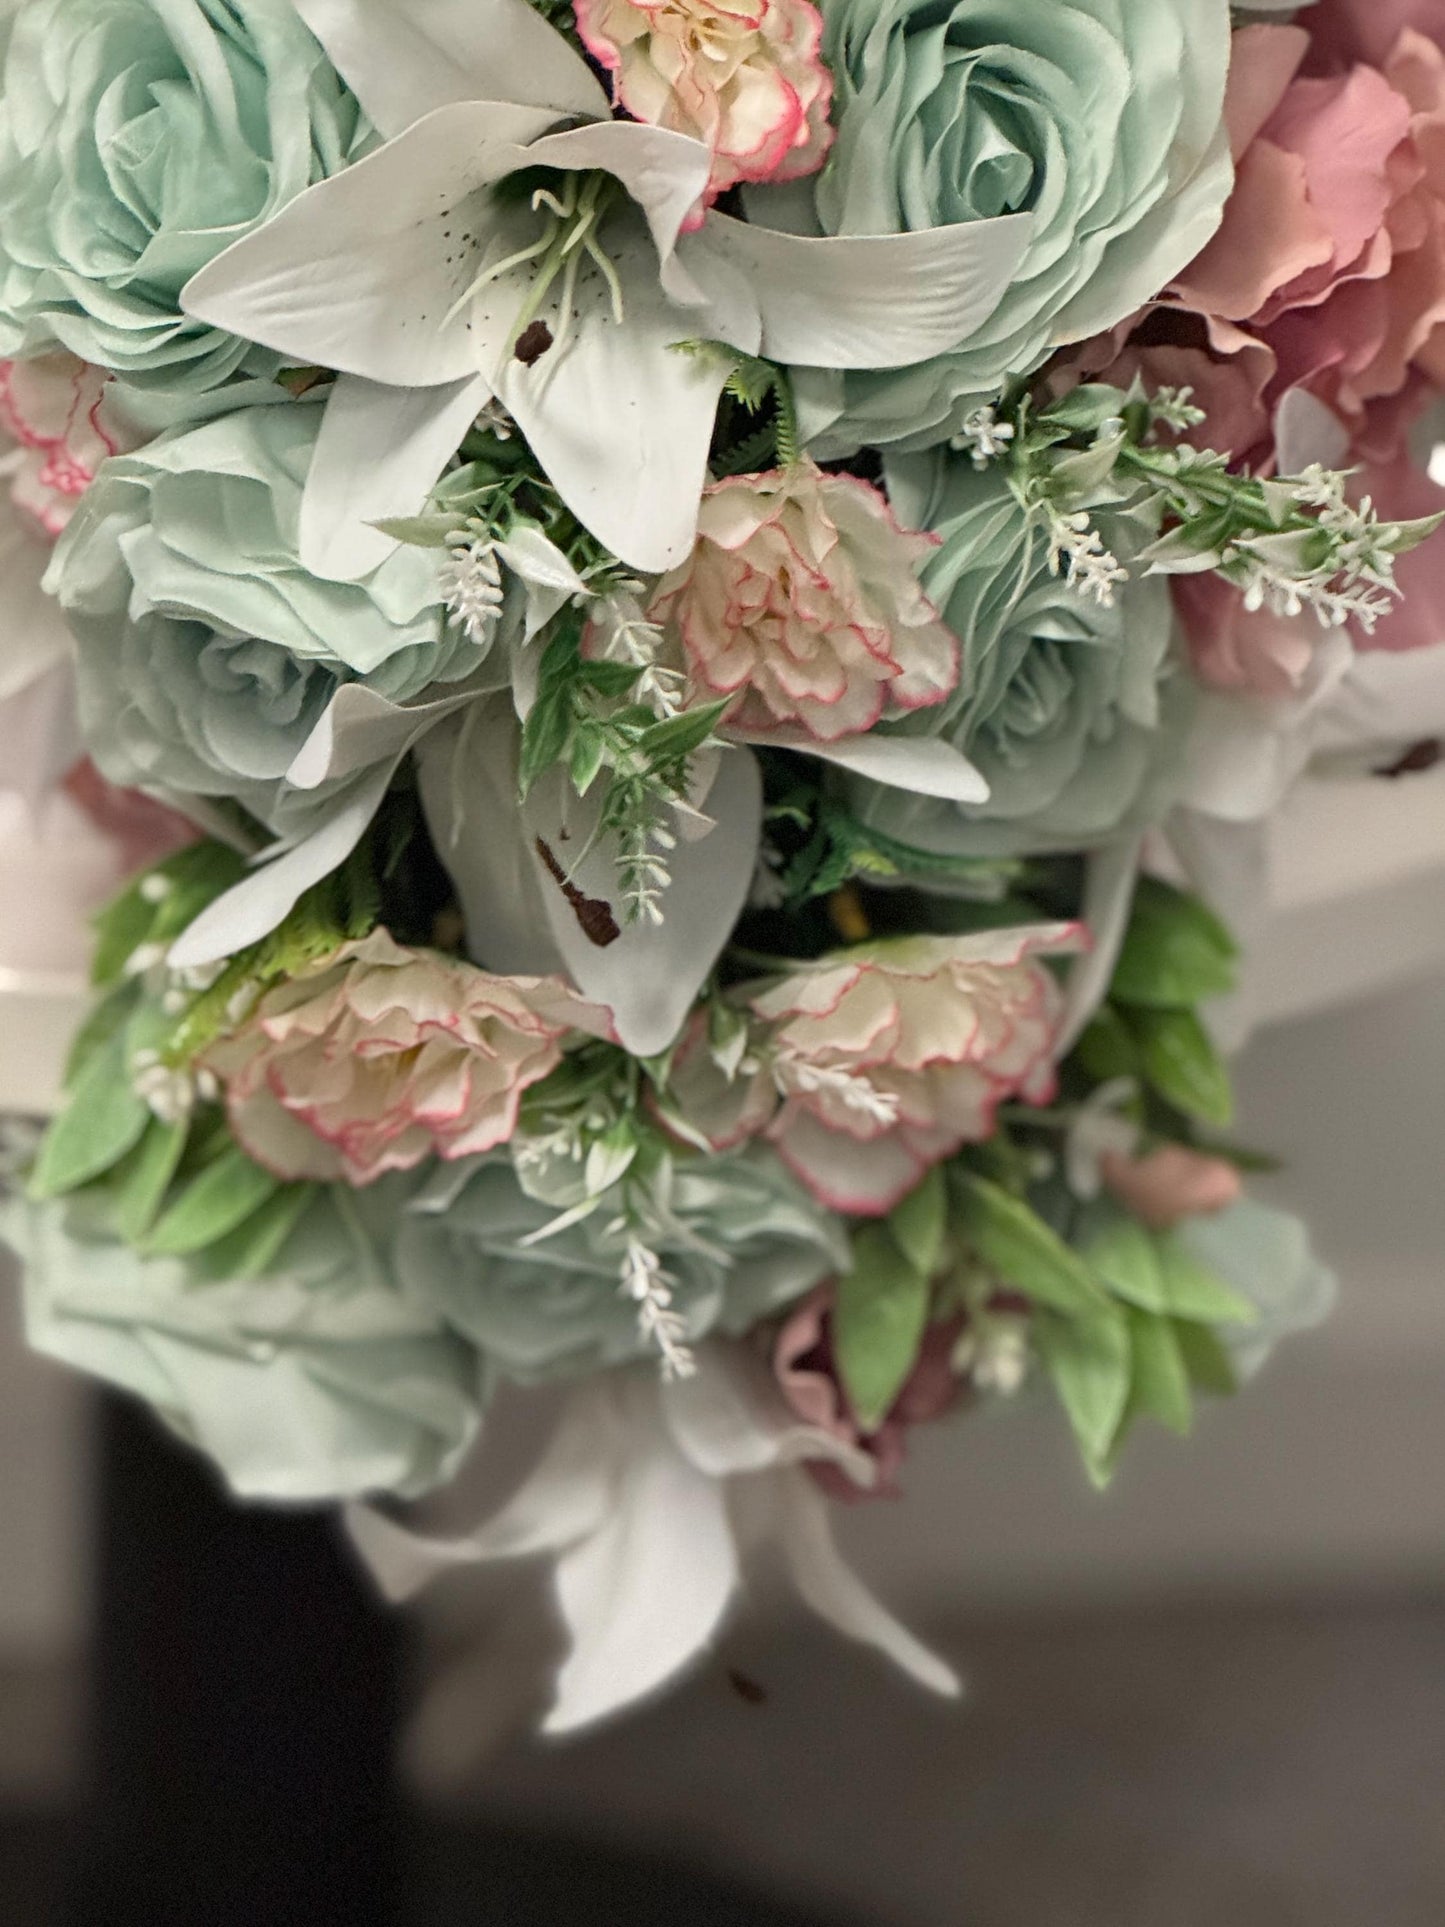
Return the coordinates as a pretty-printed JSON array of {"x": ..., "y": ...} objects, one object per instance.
[
  {"x": 138, "y": 138},
  {"x": 1101, "y": 118},
  {"x": 747, "y": 1241},
  {"x": 318, "y": 1381},
  {"x": 1072, "y": 712},
  {"x": 206, "y": 652}
]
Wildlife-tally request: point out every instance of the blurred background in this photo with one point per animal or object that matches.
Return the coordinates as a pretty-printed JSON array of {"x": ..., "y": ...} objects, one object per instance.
[{"x": 1214, "y": 1697}]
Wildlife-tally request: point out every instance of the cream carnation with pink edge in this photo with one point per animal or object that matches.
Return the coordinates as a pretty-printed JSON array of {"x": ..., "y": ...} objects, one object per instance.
[
  {"x": 380, "y": 1056},
  {"x": 872, "y": 1066},
  {"x": 746, "y": 80},
  {"x": 801, "y": 600}
]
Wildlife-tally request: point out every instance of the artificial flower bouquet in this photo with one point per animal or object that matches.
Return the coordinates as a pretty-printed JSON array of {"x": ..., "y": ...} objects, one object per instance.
[{"x": 689, "y": 587}]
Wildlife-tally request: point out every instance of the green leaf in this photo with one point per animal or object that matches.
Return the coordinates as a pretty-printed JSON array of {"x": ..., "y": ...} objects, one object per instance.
[
  {"x": 146, "y": 1176},
  {"x": 1125, "y": 1256},
  {"x": 545, "y": 735},
  {"x": 252, "y": 1248},
  {"x": 1014, "y": 1242},
  {"x": 1193, "y": 1291},
  {"x": 1091, "y": 1362},
  {"x": 1107, "y": 1049},
  {"x": 1182, "y": 1064},
  {"x": 120, "y": 929},
  {"x": 680, "y": 735},
  {"x": 609, "y": 678},
  {"x": 1157, "y": 1275},
  {"x": 1159, "y": 1382},
  {"x": 110, "y": 1015},
  {"x": 103, "y": 1119},
  {"x": 222, "y": 1197},
  {"x": 419, "y": 531},
  {"x": 1176, "y": 954},
  {"x": 920, "y": 1223},
  {"x": 879, "y": 1319},
  {"x": 1208, "y": 1363},
  {"x": 589, "y": 753}
]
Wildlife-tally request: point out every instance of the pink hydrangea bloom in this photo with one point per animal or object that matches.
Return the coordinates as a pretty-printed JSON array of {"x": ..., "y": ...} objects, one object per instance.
[
  {"x": 60, "y": 412},
  {"x": 870, "y": 1066},
  {"x": 380, "y": 1056},
  {"x": 807, "y": 1373},
  {"x": 801, "y": 599},
  {"x": 1171, "y": 1184},
  {"x": 745, "y": 77}
]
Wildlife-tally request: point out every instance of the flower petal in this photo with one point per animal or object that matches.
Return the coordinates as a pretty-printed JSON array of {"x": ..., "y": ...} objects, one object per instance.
[
  {"x": 871, "y": 301},
  {"x": 924, "y": 765},
  {"x": 621, "y": 421},
  {"x": 646, "y": 1592},
  {"x": 378, "y": 455},
  {"x": 650, "y": 976},
  {"x": 837, "y": 1594},
  {"x": 360, "y": 272},
  {"x": 402, "y": 58},
  {"x": 253, "y": 908},
  {"x": 1108, "y": 898}
]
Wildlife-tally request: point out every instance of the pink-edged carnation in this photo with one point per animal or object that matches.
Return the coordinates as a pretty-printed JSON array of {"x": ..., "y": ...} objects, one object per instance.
[
  {"x": 61, "y": 414},
  {"x": 801, "y": 600},
  {"x": 745, "y": 77},
  {"x": 805, "y": 1366},
  {"x": 379, "y": 1057},
  {"x": 1172, "y": 1184},
  {"x": 870, "y": 1066}
]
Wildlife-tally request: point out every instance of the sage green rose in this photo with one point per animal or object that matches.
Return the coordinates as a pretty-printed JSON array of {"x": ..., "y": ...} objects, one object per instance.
[
  {"x": 1101, "y": 118},
  {"x": 1074, "y": 712},
  {"x": 318, "y": 1381},
  {"x": 206, "y": 653},
  {"x": 138, "y": 138},
  {"x": 746, "y": 1241},
  {"x": 1266, "y": 1255}
]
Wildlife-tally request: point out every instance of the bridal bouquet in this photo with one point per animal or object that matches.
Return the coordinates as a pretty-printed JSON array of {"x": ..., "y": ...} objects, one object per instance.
[{"x": 685, "y": 583}]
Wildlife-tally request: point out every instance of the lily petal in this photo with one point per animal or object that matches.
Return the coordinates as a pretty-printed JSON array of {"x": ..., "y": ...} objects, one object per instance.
[
  {"x": 402, "y": 58},
  {"x": 619, "y": 419},
  {"x": 1108, "y": 899},
  {"x": 378, "y": 455},
  {"x": 360, "y": 272},
  {"x": 645, "y": 1594},
  {"x": 870, "y": 301},
  {"x": 837, "y": 1594},
  {"x": 649, "y": 977},
  {"x": 926, "y": 765},
  {"x": 358, "y": 728},
  {"x": 665, "y": 174},
  {"x": 254, "y": 907}
]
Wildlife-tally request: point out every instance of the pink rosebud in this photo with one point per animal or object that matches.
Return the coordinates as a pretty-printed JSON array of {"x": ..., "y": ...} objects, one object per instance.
[
  {"x": 745, "y": 79},
  {"x": 380, "y": 1056},
  {"x": 801, "y": 599},
  {"x": 1171, "y": 1184}
]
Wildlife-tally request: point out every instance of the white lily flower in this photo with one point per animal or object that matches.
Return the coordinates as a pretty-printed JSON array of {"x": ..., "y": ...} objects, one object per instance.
[
  {"x": 505, "y": 195},
  {"x": 650, "y": 1496}
]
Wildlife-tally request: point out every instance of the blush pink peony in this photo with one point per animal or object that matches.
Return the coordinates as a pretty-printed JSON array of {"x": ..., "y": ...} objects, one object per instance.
[
  {"x": 801, "y": 600},
  {"x": 61, "y": 414},
  {"x": 745, "y": 79},
  {"x": 870, "y": 1066},
  {"x": 380, "y": 1056}
]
